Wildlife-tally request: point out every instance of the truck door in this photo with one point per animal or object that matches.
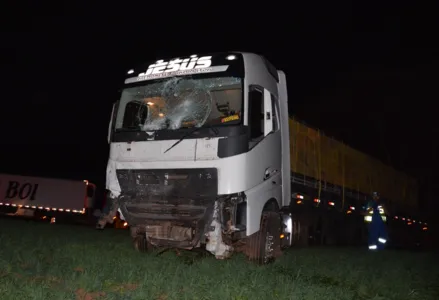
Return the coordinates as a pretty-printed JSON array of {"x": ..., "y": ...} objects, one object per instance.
[
  {"x": 268, "y": 113},
  {"x": 261, "y": 114}
]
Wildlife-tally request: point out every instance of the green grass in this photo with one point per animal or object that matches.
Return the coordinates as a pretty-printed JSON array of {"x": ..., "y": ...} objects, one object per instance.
[{"x": 43, "y": 261}]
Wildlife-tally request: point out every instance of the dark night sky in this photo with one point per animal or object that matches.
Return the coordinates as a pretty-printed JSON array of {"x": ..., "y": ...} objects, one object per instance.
[{"x": 366, "y": 75}]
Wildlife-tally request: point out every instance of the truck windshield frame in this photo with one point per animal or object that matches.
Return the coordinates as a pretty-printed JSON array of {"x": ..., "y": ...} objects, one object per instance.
[{"x": 180, "y": 103}]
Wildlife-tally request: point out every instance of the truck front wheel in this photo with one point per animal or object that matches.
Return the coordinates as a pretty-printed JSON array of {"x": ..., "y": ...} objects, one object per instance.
[{"x": 263, "y": 247}]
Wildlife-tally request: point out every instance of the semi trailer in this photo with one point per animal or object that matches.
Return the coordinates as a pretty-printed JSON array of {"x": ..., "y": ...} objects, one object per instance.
[
  {"x": 203, "y": 153},
  {"x": 40, "y": 197}
]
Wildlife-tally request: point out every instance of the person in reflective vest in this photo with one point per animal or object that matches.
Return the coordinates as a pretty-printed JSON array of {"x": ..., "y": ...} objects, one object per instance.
[{"x": 377, "y": 227}]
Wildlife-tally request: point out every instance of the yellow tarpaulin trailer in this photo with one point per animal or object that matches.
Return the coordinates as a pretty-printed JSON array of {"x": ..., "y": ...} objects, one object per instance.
[{"x": 323, "y": 158}]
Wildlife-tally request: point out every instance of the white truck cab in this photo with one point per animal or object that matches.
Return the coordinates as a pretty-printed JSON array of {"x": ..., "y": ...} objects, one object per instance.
[{"x": 199, "y": 155}]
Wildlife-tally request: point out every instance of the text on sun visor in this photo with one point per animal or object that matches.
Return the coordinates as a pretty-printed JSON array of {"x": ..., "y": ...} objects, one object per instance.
[{"x": 178, "y": 66}]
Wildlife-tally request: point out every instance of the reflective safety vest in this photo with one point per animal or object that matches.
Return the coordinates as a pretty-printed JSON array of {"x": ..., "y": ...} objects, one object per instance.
[{"x": 368, "y": 217}]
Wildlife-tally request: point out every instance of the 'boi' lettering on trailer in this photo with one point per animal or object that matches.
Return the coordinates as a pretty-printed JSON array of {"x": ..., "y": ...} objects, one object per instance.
[{"x": 25, "y": 191}]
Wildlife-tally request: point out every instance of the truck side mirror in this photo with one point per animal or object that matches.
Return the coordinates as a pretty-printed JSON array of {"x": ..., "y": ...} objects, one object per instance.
[{"x": 110, "y": 126}]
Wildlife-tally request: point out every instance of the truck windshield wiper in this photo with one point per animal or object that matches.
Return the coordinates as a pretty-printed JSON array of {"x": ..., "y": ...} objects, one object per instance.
[
  {"x": 215, "y": 130},
  {"x": 128, "y": 129}
]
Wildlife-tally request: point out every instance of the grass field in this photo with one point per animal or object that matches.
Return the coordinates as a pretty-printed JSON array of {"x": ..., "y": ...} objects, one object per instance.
[{"x": 43, "y": 261}]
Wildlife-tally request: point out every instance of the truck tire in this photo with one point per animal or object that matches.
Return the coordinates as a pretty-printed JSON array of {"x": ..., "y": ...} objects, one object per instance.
[
  {"x": 140, "y": 243},
  {"x": 263, "y": 247},
  {"x": 300, "y": 233}
]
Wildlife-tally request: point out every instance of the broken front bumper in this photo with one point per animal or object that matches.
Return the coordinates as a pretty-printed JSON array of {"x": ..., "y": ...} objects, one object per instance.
[{"x": 172, "y": 207}]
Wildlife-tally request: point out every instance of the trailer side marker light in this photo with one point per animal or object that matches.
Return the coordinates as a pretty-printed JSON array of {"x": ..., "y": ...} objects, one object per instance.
[{"x": 43, "y": 208}]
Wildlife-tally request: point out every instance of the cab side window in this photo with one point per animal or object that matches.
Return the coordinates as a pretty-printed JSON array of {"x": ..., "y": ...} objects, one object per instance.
[
  {"x": 135, "y": 115},
  {"x": 256, "y": 114}
]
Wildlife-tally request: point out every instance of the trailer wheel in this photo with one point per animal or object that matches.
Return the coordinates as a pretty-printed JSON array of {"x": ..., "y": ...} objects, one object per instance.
[
  {"x": 263, "y": 247},
  {"x": 140, "y": 243}
]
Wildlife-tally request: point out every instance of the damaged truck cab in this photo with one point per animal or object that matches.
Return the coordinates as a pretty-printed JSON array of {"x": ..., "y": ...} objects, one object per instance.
[{"x": 199, "y": 155}]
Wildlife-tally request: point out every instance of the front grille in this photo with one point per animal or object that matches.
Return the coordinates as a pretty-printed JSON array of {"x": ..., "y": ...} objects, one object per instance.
[
  {"x": 169, "y": 183},
  {"x": 167, "y": 195},
  {"x": 189, "y": 212}
]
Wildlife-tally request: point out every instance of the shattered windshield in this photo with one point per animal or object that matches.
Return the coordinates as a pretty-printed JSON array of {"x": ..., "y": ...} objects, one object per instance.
[{"x": 180, "y": 102}]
